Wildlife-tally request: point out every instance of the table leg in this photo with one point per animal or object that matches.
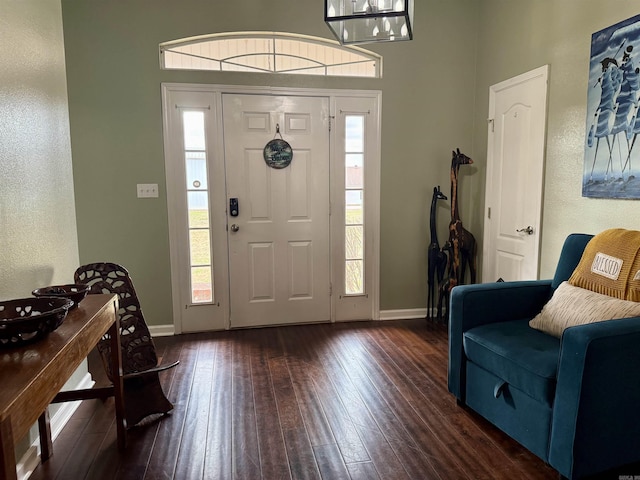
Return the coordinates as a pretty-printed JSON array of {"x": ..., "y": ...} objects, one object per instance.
[
  {"x": 44, "y": 428},
  {"x": 7, "y": 451},
  {"x": 118, "y": 387}
]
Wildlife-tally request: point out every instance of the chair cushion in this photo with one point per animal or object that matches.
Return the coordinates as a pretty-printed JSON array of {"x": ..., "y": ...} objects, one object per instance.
[
  {"x": 571, "y": 306},
  {"x": 521, "y": 356}
]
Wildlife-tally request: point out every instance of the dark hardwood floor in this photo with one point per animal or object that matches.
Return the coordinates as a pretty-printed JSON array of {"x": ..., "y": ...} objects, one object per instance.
[{"x": 362, "y": 400}]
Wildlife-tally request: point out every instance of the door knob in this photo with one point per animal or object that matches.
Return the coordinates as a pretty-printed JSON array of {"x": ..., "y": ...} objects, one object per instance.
[
  {"x": 528, "y": 230},
  {"x": 235, "y": 228}
]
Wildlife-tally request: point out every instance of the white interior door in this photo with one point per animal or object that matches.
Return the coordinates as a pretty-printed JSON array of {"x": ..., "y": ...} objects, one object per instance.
[
  {"x": 279, "y": 242},
  {"x": 514, "y": 184}
]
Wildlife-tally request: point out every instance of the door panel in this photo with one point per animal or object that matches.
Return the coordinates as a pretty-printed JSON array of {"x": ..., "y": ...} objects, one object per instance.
[
  {"x": 301, "y": 273},
  {"x": 258, "y": 188},
  {"x": 279, "y": 255},
  {"x": 515, "y": 162},
  {"x": 261, "y": 272}
]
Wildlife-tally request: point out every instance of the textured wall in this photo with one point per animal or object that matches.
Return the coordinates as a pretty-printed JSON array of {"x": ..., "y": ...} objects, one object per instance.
[
  {"x": 38, "y": 238},
  {"x": 115, "y": 110},
  {"x": 519, "y": 35}
]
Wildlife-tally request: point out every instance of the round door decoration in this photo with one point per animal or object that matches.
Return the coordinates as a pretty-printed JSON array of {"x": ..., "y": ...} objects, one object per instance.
[{"x": 277, "y": 152}]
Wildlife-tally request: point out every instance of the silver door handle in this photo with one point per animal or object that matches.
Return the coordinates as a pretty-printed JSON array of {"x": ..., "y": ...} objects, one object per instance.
[
  {"x": 235, "y": 228},
  {"x": 528, "y": 230}
]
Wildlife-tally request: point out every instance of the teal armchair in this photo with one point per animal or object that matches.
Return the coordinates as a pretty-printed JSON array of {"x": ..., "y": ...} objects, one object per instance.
[{"x": 573, "y": 401}]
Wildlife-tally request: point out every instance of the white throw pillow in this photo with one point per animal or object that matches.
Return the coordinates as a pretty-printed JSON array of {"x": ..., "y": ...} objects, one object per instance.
[{"x": 572, "y": 306}]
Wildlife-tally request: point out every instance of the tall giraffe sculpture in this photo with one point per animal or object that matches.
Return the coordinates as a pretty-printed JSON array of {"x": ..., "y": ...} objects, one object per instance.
[
  {"x": 461, "y": 245},
  {"x": 437, "y": 259}
]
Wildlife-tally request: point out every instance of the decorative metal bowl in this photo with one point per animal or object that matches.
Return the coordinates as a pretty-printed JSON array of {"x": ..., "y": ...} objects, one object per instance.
[
  {"x": 28, "y": 319},
  {"x": 74, "y": 291}
]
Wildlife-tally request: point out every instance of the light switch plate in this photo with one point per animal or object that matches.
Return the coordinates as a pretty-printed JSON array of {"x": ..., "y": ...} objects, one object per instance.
[{"x": 147, "y": 190}]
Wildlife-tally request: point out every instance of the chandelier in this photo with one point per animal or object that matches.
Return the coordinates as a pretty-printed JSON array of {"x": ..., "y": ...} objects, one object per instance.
[{"x": 369, "y": 21}]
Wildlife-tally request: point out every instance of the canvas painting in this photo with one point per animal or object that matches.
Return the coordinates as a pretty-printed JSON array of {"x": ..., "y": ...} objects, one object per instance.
[{"x": 612, "y": 147}]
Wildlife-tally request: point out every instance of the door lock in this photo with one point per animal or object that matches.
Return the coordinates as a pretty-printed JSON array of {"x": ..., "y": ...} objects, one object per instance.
[
  {"x": 234, "y": 211},
  {"x": 235, "y": 228}
]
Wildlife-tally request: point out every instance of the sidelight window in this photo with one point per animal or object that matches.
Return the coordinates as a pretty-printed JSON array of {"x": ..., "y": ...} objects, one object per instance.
[
  {"x": 200, "y": 258},
  {"x": 354, "y": 204}
]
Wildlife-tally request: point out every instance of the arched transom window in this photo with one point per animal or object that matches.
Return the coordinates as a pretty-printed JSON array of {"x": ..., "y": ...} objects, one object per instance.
[{"x": 269, "y": 52}]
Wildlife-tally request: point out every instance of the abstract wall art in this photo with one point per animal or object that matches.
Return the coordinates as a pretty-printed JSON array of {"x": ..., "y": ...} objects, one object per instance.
[{"x": 612, "y": 146}]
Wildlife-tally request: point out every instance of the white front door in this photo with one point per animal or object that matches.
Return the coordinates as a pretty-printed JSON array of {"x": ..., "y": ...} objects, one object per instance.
[
  {"x": 515, "y": 164},
  {"x": 279, "y": 241},
  {"x": 288, "y": 256}
]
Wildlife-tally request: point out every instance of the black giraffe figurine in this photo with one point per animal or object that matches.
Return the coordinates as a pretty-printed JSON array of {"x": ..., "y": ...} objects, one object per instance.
[{"x": 437, "y": 259}]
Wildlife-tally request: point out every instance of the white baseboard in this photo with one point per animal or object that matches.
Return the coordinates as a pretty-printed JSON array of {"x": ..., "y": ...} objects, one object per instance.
[
  {"x": 31, "y": 458},
  {"x": 403, "y": 314},
  {"x": 162, "y": 330}
]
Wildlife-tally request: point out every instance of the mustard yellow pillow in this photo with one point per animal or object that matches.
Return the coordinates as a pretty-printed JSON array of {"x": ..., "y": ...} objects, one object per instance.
[
  {"x": 633, "y": 284},
  {"x": 610, "y": 264},
  {"x": 572, "y": 306}
]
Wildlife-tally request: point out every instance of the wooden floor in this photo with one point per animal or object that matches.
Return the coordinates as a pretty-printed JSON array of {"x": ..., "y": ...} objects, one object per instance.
[{"x": 355, "y": 401}]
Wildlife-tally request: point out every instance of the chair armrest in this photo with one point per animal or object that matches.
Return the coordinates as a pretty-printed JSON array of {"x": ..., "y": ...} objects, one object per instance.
[
  {"x": 595, "y": 414},
  {"x": 480, "y": 304},
  {"x": 156, "y": 369}
]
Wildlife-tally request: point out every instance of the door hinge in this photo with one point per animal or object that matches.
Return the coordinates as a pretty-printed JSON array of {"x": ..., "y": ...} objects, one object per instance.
[
  {"x": 492, "y": 123},
  {"x": 489, "y": 212},
  {"x": 330, "y": 289},
  {"x": 331, "y": 117}
]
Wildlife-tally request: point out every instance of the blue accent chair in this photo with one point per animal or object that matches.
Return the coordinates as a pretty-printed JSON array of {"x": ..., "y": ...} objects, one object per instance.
[{"x": 574, "y": 401}]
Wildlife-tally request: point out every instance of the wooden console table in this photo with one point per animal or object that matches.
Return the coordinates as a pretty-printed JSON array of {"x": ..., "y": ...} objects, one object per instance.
[{"x": 31, "y": 376}]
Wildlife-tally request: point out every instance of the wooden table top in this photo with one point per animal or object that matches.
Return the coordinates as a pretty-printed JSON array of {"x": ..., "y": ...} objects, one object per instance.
[{"x": 30, "y": 376}]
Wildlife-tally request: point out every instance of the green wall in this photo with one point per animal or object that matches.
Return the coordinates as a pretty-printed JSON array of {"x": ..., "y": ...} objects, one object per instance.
[
  {"x": 435, "y": 98},
  {"x": 516, "y": 36},
  {"x": 38, "y": 240},
  {"x": 116, "y": 126}
]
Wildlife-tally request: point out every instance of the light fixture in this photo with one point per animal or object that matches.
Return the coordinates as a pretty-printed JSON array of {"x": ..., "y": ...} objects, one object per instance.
[{"x": 369, "y": 21}]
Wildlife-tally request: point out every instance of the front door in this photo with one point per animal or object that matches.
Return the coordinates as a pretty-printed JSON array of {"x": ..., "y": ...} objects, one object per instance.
[
  {"x": 287, "y": 256},
  {"x": 515, "y": 160},
  {"x": 279, "y": 241}
]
